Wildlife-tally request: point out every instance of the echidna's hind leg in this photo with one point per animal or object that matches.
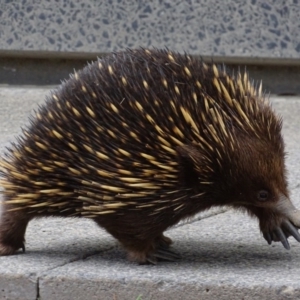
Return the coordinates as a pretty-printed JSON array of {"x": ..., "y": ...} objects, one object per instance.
[
  {"x": 150, "y": 252},
  {"x": 163, "y": 241},
  {"x": 12, "y": 230},
  {"x": 146, "y": 250}
]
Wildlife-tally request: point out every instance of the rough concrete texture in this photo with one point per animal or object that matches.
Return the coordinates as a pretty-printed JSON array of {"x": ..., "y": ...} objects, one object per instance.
[
  {"x": 224, "y": 255},
  {"x": 256, "y": 28}
]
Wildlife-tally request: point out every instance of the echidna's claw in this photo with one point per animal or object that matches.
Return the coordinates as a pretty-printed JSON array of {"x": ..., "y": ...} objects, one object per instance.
[
  {"x": 152, "y": 260},
  {"x": 166, "y": 254},
  {"x": 290, "y": 229},
  {"x": 162, "y": 253},
  {"x": 281, "y": 234},
  {"x": 281, "y": 237},
  {"x": 268, "y": 237},
  {"x": 163, "y": 244}
]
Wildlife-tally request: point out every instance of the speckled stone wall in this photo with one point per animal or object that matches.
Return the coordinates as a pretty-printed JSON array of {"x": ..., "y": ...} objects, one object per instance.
[{"x": 249, "y": 28}]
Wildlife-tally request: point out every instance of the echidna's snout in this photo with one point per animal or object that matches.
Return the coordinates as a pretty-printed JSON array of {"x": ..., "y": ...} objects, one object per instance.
[{"x": 289, "y": 225}]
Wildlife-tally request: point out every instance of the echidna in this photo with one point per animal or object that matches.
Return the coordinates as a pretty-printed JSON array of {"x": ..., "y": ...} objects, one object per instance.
[{"x": 142, "y": 139}]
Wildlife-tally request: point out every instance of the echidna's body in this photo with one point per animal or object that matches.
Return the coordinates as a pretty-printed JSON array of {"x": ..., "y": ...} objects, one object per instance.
[{"x": 138, "y": 141}]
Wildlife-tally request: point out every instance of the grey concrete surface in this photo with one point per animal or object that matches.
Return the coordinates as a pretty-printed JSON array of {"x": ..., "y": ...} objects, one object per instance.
[
  {"x": 224, "y": 255},
  {"x": 240, "y": 28}
]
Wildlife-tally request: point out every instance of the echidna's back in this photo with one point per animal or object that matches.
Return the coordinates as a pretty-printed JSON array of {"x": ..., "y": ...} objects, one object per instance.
[
  {"x": 143, "y": 93},
  {"x": 142, "y": 89}
]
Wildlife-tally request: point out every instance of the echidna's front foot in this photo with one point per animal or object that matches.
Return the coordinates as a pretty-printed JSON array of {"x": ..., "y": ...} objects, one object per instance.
[{"x": 281, "y": 233}]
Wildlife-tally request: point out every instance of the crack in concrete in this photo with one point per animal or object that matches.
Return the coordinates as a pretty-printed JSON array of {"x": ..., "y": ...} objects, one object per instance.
[
  {"x": 38, "y": 289},
  {"x": 75, "y": 259}
]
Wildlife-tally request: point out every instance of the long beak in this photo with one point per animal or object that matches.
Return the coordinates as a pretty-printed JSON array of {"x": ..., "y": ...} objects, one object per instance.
[{"x": 286, "y": 207}]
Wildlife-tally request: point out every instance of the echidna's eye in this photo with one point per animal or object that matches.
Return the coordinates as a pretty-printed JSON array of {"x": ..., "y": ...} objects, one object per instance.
[{"x": 263, "y": 195}]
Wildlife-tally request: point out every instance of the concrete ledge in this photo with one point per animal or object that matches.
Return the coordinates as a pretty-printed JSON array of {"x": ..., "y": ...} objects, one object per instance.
[{"x": 277, "y": 78}]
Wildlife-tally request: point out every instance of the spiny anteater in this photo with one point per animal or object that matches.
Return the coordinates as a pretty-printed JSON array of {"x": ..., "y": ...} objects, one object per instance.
[{"x": 141, "y": 139}]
